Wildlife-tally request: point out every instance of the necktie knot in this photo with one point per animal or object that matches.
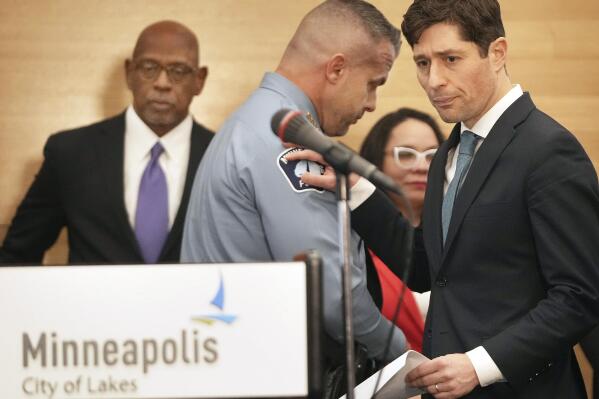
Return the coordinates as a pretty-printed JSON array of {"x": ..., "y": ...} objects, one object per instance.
[
  {"x": 156, "y": 151},
  {"x": 468, "y": 143}
]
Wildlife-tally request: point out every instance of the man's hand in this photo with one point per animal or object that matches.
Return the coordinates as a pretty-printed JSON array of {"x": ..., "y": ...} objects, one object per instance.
[
  {"x": 445, "y": 377},
  {"x": 327, "y": 180}
]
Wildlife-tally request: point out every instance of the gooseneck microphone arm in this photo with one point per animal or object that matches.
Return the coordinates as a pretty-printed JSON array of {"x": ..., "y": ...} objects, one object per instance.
[{"x": 344, "y": 223}]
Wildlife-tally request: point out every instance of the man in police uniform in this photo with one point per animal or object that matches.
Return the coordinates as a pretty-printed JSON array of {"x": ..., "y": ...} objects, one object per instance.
[{"x": 248, "y": 203}]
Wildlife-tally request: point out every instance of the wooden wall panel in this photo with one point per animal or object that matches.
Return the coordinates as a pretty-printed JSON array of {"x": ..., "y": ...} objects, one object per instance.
[{"x": 62, "y": 67}]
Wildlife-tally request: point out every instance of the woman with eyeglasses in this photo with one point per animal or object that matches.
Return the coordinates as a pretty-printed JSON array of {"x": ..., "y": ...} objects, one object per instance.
[{"x": 402, "y": 145}]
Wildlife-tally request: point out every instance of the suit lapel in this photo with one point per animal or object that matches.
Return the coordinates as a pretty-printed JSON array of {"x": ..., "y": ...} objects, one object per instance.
[
  {"x": 110, "y": 149},
  {"x": 200, "y": 139},
  {"x": 111, "y": 155},
  {"x": 434, "y": 199},
  {"x": 490, "y": 150}
]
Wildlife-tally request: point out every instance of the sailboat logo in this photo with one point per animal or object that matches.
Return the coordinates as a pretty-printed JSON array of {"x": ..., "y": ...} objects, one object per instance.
[{"x": 218, "y": 302}]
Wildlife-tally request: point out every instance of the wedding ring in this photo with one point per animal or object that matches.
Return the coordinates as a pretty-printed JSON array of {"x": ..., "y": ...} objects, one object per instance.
[{"x": 437, "y": 388}]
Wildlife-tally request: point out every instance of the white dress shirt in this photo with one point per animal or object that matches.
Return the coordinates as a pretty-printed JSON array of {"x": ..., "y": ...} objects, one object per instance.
[
  {"x": 139, "y": 140},
  {"x": 481, "y": 129},
  {"x": 486, "y": 369}
]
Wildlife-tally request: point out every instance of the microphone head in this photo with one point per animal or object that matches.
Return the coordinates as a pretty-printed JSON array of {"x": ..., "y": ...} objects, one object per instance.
[{"x": 281, "y": 120}]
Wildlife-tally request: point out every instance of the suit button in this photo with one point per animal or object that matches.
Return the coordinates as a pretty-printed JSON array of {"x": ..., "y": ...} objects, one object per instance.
[{"x": 441, "y": 282}]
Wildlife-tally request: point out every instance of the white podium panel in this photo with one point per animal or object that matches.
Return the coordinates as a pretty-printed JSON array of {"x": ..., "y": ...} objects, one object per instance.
[{"x": 167, "y": 331}]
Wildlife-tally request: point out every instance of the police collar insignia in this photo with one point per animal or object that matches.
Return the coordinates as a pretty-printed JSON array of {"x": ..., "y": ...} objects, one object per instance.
[{"x": 293, "y": 170}]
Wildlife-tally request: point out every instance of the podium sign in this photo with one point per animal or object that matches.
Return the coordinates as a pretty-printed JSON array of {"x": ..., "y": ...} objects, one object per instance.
[{"x": 160, "y": 331}]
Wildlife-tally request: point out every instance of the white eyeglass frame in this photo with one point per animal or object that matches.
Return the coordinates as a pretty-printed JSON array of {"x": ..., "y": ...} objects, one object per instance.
[{"x": 419, "y": 155}]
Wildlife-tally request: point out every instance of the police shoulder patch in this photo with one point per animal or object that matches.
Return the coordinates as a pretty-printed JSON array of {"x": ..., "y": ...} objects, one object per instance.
[{"x": 293, "y": 170}]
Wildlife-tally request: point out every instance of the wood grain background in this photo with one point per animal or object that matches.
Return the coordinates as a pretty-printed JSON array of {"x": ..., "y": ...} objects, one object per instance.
[{"x": 62, "y": 67}]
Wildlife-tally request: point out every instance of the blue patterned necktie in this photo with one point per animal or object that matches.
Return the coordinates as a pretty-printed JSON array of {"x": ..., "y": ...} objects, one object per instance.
[
  {"x": 466, "y": 152},
  {"x": 151, "y": 215}
]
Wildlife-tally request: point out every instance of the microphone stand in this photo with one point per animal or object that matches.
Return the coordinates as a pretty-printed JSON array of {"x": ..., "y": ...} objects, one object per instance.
[{"x": 345, "y": 255}]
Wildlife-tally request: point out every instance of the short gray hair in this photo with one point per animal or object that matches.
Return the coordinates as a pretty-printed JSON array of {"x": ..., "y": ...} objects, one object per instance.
[{"x": 372, "y": 20}]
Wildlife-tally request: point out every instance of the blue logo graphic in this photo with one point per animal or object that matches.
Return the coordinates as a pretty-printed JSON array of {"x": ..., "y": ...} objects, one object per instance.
[
  {"x": 293, "y": 170},
  {"x": 219, "y": 302}
]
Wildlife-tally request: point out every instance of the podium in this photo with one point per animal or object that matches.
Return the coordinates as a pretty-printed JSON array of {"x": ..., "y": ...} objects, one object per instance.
[{"x": 161, "y": 331}]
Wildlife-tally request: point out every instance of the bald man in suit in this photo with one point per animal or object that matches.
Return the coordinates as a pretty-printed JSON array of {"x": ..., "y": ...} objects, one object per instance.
[{"x": 121, "y": 186}]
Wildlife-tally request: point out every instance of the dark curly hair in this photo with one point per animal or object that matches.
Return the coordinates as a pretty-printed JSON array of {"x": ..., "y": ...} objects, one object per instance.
[
  {"x": 373, "y": 147},
  {"x": 479, "y": 21}
]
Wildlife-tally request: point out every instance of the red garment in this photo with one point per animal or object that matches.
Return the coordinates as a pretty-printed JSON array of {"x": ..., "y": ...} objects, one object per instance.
[{"x": 409, "y": 320}]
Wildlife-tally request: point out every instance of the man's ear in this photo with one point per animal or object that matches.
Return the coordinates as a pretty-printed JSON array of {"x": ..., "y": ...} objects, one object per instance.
[
  {"x": 498, "y": 53},
  {"x": 336, "y": 68},
  {"x": 200, "y": 78}
]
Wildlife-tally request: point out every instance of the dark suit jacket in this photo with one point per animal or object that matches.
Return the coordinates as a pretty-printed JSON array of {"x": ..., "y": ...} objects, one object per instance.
[
  {"x": 80, "y": 186},
  {"x": 519, "y": 272}
]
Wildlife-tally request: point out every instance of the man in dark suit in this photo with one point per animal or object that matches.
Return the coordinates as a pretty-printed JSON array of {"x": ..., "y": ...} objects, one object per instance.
[
  {"x": 121, "y": 186},
  {"x": 510, "y": 221}
]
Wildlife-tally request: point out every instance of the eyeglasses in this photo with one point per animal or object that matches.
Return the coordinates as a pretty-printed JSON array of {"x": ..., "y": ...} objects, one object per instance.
[
  {"x": 406, "y": 157},
  {"x": 150, "y": 70}
]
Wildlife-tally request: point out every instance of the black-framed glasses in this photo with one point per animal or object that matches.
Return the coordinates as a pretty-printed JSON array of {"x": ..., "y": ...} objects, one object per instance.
[
  {"x": 406, "y": 157},
  {"x": 150, "y": 70}
]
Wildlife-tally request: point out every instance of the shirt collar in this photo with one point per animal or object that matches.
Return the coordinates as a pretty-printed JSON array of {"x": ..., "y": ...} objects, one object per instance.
[
  {"x": 144, "y": 138},
  {"x": 282, "y": 85},
  {"x": 486, "y": 123}
]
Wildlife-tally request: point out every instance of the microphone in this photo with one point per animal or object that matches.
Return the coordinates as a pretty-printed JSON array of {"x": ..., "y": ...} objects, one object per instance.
[{"x": 292, "y": 126}]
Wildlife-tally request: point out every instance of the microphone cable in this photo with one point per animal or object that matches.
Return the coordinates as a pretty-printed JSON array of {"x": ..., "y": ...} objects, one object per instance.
[{"x": 408, "y": 248}]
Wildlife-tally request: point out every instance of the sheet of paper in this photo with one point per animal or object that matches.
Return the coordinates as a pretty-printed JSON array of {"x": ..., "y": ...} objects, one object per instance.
[{"x": 392, "y": 384}]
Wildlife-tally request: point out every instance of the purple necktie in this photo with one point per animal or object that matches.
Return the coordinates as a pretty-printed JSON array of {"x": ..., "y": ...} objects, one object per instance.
[{"x": 151, "y": 216}]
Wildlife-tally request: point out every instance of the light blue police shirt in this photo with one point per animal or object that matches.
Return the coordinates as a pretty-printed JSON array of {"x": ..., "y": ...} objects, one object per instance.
[{"x": 248, "y": 204}]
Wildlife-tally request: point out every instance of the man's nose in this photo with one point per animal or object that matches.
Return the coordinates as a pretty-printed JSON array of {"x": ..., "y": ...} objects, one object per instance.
[
  {"x": 370, "y": 105},
  {"x": 436, "y": 77},
  {"x": 163, "y": 81}
]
